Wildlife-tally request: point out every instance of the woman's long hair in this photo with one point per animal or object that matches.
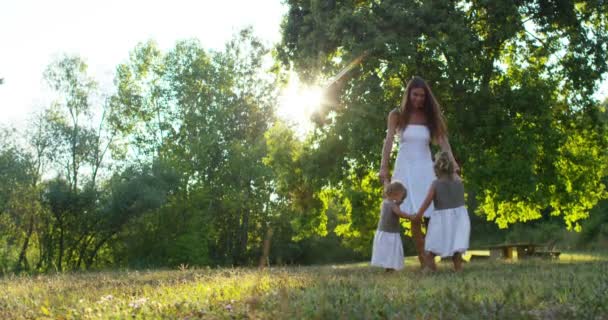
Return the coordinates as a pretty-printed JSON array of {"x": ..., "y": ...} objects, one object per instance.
[{"x": 436, "y": 121}]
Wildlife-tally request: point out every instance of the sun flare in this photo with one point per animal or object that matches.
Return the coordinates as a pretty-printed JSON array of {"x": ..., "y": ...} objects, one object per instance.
[{"x": 297, "y": 103}]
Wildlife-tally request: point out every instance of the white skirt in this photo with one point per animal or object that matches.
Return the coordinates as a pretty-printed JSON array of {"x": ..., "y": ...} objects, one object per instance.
[
  {"x": 388, "y": 250},
  {"x": 448, "y": 232}
]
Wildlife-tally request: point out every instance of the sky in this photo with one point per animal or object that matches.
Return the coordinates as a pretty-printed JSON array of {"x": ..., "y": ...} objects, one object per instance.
[{"x": 33, "y": 33}]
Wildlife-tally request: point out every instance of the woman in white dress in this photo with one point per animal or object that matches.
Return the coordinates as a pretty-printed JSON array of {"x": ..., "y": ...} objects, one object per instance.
[{"x": 418, "y": 122}]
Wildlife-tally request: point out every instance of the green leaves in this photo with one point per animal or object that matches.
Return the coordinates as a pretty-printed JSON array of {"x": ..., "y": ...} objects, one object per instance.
[{"x": 515, "y": 81}]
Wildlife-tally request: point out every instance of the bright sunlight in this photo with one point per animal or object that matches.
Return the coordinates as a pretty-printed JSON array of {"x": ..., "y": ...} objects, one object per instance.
[{"x": 298, "y": 102}]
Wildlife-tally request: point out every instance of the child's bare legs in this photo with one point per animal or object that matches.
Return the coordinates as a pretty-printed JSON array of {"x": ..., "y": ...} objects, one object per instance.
[
  {"x": 457, "y": 259},
  {"x": 418, "y": 241}
]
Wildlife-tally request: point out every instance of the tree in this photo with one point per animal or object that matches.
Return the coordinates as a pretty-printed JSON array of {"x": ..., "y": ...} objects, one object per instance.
[
  {"x": 515, "y": 80},
  {"x": 205, "y": 113},
  {"x": 66, "y": 139},
  {"x": 20, "y": 207},
  {"x": 143, "y": 112},
  {"x": 67, "y": 76}
]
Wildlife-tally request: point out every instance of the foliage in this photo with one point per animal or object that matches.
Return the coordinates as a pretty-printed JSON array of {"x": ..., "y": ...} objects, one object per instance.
[
  {"x": 20, "y": 208},
  {"x": 185, "y": 162},
  {"x": 515, "y": 79},
  {"x": 205, "y": 115}
]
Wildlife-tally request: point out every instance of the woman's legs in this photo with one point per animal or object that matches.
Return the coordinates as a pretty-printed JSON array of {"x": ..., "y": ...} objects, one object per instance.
[{"x": 418, "y": 238}]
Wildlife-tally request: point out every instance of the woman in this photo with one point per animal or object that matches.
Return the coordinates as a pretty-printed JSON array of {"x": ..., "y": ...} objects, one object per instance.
[{"x": 419, "y": 122}]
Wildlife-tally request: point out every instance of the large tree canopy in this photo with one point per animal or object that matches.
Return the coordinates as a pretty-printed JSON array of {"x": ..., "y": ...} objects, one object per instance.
[{"x": 515, "y": 79}]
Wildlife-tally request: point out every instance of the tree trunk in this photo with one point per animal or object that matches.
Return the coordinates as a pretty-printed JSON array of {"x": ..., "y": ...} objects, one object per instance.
[
  {"x": 60, "y": 256},
  {"x": 22, "y": 256},
  {"x": 45, "y": 244},
  {"x": 244, "y": 237},
  {"x": 91, "y": 258},
  {"x": 76, "y": 247},
  {"x": 82, "y": 252}
]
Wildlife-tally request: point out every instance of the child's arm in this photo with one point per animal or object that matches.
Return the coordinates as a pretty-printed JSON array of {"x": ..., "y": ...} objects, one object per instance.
[
  {"x": 426, "y": 203},
  {"x": 402, "y": 214}
]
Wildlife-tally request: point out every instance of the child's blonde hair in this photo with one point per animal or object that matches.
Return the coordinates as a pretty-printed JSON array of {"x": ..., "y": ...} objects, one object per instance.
[
  {"x": 395, "y": 187},
  {"x": 443, "y": 165}
]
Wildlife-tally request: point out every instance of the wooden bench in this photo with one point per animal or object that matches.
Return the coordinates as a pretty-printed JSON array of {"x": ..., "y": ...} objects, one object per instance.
[
  {"x": 475, "y": 257},
  {"x": 549, "y": 254},
  {"x": 524, "y": 250},
  {"x": 506, "y": 250},
  {"x": 548, "y": 251}
]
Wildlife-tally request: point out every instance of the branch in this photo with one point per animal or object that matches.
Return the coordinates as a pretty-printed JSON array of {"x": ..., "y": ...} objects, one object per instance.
[{"x": 535, "y": 37}]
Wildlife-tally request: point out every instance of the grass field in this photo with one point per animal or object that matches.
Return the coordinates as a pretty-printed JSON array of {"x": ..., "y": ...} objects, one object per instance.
[{"x": 575, "y": 286}]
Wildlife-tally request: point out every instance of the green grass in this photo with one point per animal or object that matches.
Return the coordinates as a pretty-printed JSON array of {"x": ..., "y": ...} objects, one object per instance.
[{"x": 576, "y": 286}]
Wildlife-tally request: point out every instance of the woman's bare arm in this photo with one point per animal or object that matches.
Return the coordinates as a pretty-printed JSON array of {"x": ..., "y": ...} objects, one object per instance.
[{"x": 393, "y": 118}]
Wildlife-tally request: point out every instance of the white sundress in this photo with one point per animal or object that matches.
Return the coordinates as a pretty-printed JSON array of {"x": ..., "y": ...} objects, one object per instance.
[{"x": 414, "y": 167}]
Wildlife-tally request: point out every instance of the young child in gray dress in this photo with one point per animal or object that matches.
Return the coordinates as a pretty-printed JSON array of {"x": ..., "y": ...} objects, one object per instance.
[
  {"x": 388, "y": 248},
  {"x": 449, "y": 228}
]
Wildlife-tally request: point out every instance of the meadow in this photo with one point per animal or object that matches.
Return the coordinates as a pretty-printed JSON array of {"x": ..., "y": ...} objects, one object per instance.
[{"x": 575, "y": 286}]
